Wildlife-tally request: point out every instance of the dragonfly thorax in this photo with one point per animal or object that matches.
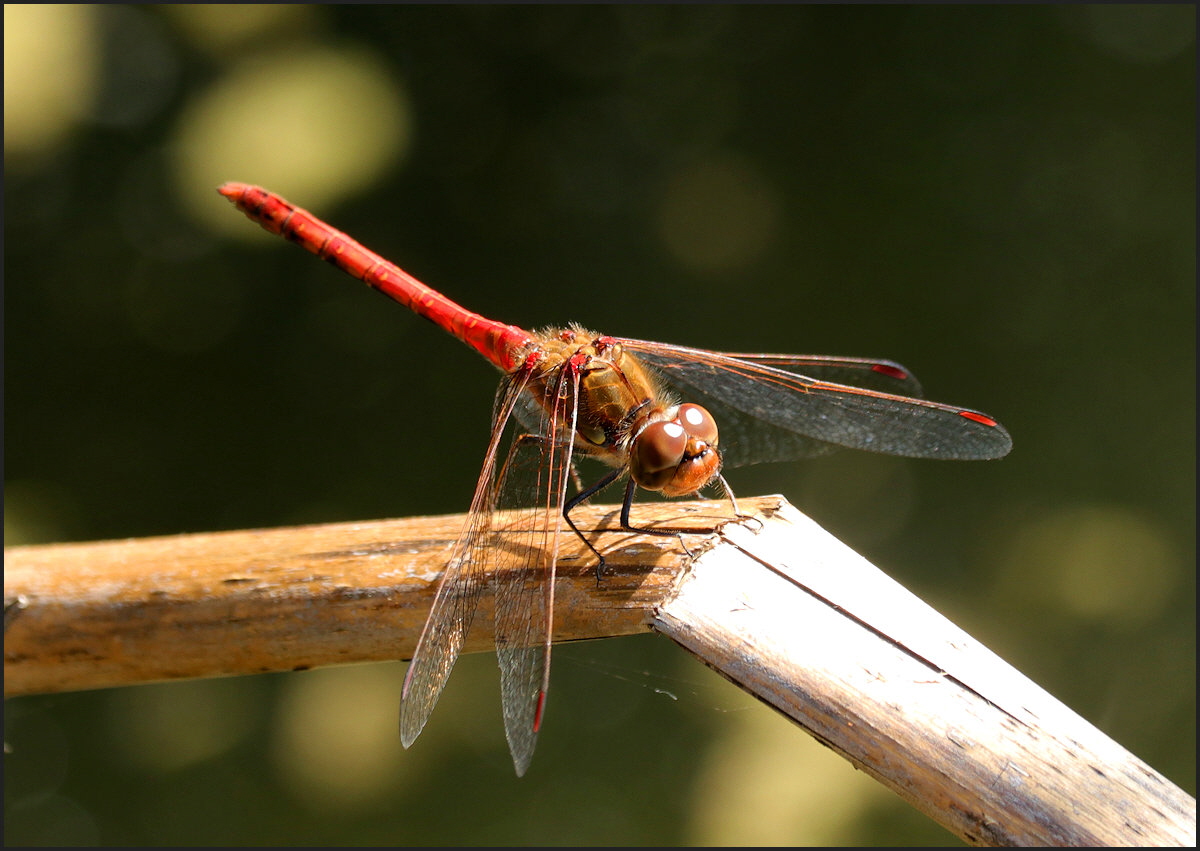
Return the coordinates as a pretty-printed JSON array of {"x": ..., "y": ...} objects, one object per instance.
[{"x": 623, "y": 417}]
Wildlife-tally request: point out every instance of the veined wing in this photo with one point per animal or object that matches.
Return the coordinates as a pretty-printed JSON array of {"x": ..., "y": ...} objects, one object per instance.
[
  {"x": 462, "y": 584},
  {"x": 766, "y": 413},
  {"x": 886, "y": 376},
  {"x": 532, "y": 492}
]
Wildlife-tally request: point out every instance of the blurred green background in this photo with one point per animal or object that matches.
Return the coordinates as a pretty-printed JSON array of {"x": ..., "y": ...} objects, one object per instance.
[{"x": 1001, "y": 198}]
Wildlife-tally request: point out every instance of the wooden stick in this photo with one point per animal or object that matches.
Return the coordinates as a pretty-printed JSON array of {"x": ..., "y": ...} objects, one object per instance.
[
  {"x": 95, "y": 615},
  {"x": 799, "y": 620},
  {"x": 774, "y": 603}
]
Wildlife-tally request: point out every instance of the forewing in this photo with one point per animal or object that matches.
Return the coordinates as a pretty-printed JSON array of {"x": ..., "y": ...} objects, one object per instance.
[
  {"x": 765, "y": 413},
  {"x": 886, "y": 376}
]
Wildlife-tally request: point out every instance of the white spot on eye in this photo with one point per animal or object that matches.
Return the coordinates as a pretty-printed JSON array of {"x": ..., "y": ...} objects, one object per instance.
[
  {"x": 693, "y": 416},
  {"x": 672, "y": 430}
]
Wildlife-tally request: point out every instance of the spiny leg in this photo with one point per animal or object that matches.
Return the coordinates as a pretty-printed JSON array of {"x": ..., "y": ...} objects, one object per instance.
[{"x": 582, "y": 497}]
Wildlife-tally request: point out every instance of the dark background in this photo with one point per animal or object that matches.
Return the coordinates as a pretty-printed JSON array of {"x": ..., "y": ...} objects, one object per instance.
[{"x": 1001, "y": 198}]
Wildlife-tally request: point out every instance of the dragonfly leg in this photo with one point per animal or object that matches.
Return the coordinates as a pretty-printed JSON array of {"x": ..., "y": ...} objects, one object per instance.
[
  {"x": 737, "y": 512},
  {"x": 627, "y": 504},
  {"x": 582, "y": 497}
]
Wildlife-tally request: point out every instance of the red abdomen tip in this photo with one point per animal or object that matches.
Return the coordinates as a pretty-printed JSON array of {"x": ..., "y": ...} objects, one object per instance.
[{"x": 233, "y": 190}]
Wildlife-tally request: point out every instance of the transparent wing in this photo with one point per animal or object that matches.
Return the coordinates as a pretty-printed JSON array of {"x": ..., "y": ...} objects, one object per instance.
[
  {"x": 532, "y": 492},
  {"x": 766, "y": 412},
  {"x": 461, "y": 586},
  {"x": 510, "y": 541},
  {"x": 885, "y": 376}
]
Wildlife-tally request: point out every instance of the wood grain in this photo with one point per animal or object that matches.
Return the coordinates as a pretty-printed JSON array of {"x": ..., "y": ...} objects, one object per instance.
[
  {"x": 772, "y": 601},
  {"x": 110, "y": 613}
]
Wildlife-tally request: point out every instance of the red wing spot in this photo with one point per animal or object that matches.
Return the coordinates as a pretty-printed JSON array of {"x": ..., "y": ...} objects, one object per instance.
[
  {"x": 979, "y": 418},
  {"x": 891, "y": 371},
  {"x": 537, "y": 715}
]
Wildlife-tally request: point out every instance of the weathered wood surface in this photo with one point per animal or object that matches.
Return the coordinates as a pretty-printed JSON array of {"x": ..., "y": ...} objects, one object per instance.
[{"x": 773, "y": 602}]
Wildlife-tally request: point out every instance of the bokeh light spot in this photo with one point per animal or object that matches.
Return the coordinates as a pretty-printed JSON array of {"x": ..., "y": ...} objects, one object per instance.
[
  {"x": 336, "y": 742},
  {"x": 51, "y": 62},
  {"x": 1101, "y": 562},
  {"x": 1145, "y": 33},
  {"x": 718, "y": 214},
  {"x": 165, "y": 727},
  {"x": 222, "y": 26},
  {"x": 765, "y": 785},
  {"x": 314, "y": 124}
]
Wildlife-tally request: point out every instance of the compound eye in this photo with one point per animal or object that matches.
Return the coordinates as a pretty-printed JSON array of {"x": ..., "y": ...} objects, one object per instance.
[
  {"x": 698, "y": 422},
  {"x": 660, "y": 447}
]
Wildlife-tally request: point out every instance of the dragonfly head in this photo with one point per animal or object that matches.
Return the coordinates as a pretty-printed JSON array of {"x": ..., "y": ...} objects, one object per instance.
[{"x": 676, "y": 456}]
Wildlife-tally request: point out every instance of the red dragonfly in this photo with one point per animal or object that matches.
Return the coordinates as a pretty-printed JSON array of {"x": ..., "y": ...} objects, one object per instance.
[{"x": 577, "y": 393}]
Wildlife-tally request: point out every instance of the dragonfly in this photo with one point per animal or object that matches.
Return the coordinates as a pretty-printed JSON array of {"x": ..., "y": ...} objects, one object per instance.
[{"x": 647, "y": 410}]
